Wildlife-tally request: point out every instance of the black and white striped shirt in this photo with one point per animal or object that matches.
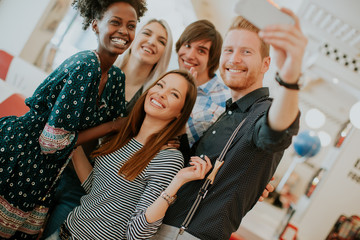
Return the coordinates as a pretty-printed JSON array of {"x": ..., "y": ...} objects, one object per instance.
[{"x": 114, "y": 208}]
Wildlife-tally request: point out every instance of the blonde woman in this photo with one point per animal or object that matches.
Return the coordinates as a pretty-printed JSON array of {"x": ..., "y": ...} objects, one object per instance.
[{"x": 147, "y": 58}]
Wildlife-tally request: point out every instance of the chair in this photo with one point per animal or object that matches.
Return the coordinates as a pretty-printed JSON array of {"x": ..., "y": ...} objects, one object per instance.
[
  {"x": 5, "y": 61},
  {"x": 11, "y": 103},
  {"x": 235, "y": 236}
]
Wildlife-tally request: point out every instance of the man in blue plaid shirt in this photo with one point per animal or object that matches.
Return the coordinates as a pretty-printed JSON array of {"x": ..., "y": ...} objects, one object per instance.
[{"x": 198, "y": 49}]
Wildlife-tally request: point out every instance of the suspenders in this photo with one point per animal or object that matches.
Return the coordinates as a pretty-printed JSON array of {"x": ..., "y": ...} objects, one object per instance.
[{"x": 209, "y": 180}]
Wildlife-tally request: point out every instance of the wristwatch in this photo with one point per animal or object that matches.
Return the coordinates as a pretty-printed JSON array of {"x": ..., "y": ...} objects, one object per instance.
[
  {"x": 170, "y": 200},
  {"x": 294, "y": 86}
]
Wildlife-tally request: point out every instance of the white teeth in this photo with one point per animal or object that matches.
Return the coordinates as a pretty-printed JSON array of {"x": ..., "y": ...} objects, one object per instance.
[
  {"x": 188, "y": 64},
  {"x": 148, "y": 50},
  {"x": 119, "y": 41},
  {"x": 156, "y": 103},
  {"x": 235, "y": 70}
]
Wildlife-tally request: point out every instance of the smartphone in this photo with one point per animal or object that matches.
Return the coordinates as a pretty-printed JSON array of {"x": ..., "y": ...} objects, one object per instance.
[{"x": 262, "y": 13}]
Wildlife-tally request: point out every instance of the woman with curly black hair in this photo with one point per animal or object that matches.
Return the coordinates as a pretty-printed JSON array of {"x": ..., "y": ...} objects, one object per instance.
[{"x": 78, "y": 102}]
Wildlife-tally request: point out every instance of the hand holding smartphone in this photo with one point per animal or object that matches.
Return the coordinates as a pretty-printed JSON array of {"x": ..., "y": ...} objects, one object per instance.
[{"x": 262, "y": 13}]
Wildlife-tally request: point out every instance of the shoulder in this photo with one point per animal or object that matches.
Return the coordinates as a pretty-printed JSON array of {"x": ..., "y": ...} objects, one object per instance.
[
  {"x": 170, "y": 153},
  {"x": 81, "y": 61},
  {"x": 169, "y": 157},
  {"x": 117, "y": 72},
  {"x": 117, "y": 69},
  {"x": 263, "y": 104}
]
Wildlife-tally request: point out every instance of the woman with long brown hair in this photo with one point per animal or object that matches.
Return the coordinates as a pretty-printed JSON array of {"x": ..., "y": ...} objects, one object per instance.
[{"x": 135, "y": 178}]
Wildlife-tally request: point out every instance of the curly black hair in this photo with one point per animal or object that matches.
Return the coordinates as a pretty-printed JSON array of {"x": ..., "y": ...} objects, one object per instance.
[{"x": 94, "y": 9}]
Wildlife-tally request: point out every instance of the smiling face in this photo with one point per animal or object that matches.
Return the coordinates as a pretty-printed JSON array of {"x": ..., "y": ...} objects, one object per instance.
[
  {"x": 116, "y": 29},
  {"x": 150, "y": 43},
  {"x": 196, "y": 55},
  {"x": 165, "y": 100},
  {"x": 241, "y": 66}
]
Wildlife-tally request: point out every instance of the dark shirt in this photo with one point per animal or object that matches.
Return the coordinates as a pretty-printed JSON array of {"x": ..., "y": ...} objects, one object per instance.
[{"x": 248, "y": 166}]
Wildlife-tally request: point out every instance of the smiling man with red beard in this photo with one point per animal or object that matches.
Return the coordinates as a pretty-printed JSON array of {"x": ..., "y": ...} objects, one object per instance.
[{"x": 257, "y": 148}]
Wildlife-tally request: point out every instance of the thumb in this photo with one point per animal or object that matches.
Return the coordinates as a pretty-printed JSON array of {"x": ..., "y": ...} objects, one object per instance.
[{"x": 193, "y": 72}]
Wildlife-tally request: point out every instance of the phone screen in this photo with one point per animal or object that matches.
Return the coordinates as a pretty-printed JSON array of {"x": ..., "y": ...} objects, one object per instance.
[{"x": 262, "y": 13}]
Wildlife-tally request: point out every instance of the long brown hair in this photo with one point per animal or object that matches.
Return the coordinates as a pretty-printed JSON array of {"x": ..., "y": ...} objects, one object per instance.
[{"x": 131, "y": 127}]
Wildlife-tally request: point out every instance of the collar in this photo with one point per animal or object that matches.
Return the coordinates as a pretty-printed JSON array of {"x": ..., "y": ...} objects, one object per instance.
[{"x": 248, "y": 100}]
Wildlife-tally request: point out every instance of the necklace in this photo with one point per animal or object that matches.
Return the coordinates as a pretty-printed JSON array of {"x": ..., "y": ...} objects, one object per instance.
[{"x": 102, "y": 84}]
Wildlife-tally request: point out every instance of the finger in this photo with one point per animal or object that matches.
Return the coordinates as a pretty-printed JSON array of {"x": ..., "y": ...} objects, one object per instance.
[
  {"x": 276, "y": 33},
  {"x": 203, "y": 166},
  {"x": 196, "y": 162},
  {"x": 193, "y": 72},
  {"x": 293, "y": 15},
  {"x": 196, "y": 158},
  {"x": 200, "y": 161},
  {"x": 261, "y": 199},
  {"x": 270, "y": 187},
  {"x": 265, "y": 194},
  {"x": 209, "y": 165},
  {"x": 197, "y": 169}
]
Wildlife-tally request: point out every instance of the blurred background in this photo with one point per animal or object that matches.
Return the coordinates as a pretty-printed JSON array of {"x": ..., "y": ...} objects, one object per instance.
[{"x": 318, "y": 181}]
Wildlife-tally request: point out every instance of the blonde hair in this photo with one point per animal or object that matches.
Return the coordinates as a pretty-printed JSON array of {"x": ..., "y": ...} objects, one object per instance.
[{"x": 161, "y": 66}]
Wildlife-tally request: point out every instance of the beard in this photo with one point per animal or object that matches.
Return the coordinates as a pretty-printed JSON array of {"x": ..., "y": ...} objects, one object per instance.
[{"x": 239, "y": 83}]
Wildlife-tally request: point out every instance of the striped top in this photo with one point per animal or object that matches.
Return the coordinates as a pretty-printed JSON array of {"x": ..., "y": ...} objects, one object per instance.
[{"x": 114, "y": 208}]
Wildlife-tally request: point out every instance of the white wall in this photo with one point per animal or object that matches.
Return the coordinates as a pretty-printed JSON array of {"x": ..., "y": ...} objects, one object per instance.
[
  {"x": 338, "y": 194},
  {"x": 17, "y": 26}
]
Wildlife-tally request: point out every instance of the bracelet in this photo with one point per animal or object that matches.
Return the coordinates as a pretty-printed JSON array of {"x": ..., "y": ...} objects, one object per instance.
[
  {"x": 294, "y": 86},
  {"x": 170, "y": 200}
]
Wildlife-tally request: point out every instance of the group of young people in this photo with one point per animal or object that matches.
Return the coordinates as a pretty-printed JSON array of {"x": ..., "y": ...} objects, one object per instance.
[{"x": 139, "y": 184}]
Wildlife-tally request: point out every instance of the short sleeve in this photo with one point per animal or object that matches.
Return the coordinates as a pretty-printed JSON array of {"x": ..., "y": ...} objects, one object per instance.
[
  {"x": 87, "y": 184},
  {"x": 78, "y": 91}
]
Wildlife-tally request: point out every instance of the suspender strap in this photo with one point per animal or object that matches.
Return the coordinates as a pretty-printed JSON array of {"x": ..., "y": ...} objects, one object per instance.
[{"x": 209, "y": 180}]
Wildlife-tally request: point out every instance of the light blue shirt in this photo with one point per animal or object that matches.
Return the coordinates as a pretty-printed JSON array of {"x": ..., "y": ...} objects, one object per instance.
[{"x": 210, "y": 104}]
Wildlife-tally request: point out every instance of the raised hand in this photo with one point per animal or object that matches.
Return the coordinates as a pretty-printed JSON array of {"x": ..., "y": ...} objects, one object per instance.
[
  {"x": 289, "y": 45},
  {"x": 193, "y": 72}
]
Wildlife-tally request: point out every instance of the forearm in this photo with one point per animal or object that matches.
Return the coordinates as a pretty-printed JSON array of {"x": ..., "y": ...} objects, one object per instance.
[
  {"x": 94, "y": 133},
  {"x": 81, "y": 164},
  {"x": 198, "y": 170},
  {"x": 159, "y": 207},
  {"x": 284, "y": 109}
]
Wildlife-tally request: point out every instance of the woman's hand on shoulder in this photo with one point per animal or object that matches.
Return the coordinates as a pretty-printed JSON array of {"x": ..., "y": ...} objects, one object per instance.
[
  {"x": 117, "y": 124},
  {"x": 173, "y": 143}
]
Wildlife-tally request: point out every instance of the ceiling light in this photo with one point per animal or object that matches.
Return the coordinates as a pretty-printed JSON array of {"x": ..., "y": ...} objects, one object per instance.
[
  {"x": 314, "y": 118},
  {"x": 355, "y": 115}
]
